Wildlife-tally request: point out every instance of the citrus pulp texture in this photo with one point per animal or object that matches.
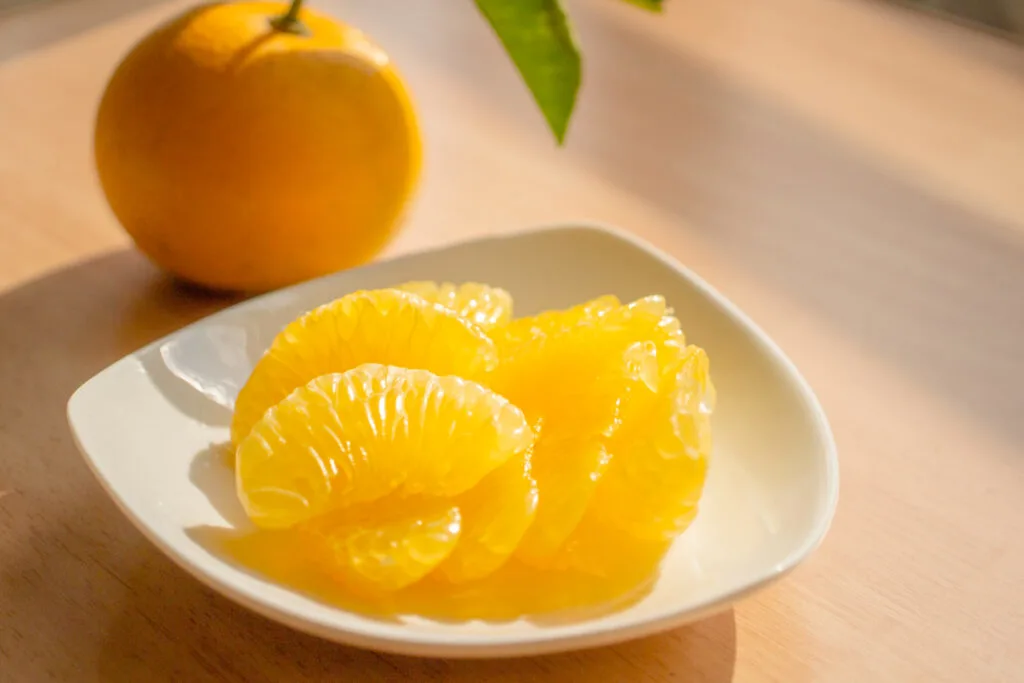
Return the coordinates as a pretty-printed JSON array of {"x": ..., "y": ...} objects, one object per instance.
[
  {"x": 373, "y": 326},
  {"x": 394, "y": 473},
  {"x": 483, "y": 305},
  {"x": 619, "y": 404}
]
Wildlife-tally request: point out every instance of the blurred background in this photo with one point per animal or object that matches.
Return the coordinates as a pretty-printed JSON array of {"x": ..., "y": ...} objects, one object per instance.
[
  {"x": 1005, "y": 16},
  {"x": 849, "y": 172}
]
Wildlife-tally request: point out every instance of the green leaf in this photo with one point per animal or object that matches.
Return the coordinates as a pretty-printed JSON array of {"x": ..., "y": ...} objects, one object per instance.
[
  {"x": 652, "y": 5},
  {"x": 537, "y": 36}
]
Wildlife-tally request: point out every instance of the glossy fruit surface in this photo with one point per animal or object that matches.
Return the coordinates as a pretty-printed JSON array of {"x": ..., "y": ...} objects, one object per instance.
[
  {"x": 383, "y": 461},
  {"x": 239, "y": 156},
  {"x": 583, "y": 449},
  {"x": 573, "y": 373},
  {"x": 378, "y": 549},
  {"x": 654, "y": 484},
  {"x": 483, "y": 305},
  {"x": 384, "y": 326}
]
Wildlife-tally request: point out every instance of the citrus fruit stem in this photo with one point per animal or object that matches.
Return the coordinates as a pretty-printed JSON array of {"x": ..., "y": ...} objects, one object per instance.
[{"x": 289, "y": 21}]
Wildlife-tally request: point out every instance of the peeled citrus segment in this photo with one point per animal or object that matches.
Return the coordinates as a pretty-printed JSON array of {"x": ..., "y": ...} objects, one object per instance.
[
  {"x": 377, "y": 550},
  {"x": 656, "y": 356},
  {"x": 598, "y": 352},
  {"x": 481, "y": 304},
  {"x": 383, "y": 326},
  {"x": 515, "y": 336},
  {"x": 567, "y": 472},
  {"x": 654, "y": 483},
  {"x": 373, "y": 458},
  {"x": 497, "y": 513},
  {"x": 608, "y": 552},
  {"x": 577, "y": 373},
  {"x": 354, "y": 437},
  {"x": 566, "y": 368}
]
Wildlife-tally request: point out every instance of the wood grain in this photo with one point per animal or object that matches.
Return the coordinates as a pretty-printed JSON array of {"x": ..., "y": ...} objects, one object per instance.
[{"x": 849, "y": 172}]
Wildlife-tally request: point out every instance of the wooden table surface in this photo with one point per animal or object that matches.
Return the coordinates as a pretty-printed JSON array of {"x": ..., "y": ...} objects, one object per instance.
[{"x": 849, "y": 172}]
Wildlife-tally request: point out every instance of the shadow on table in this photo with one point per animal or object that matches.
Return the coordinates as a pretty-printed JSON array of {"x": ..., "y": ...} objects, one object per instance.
[
  {"x": 704, "y": 652},
  {"x": 175, "y": 629},
  {"x": 133, "y": 615},
  {"x": 905, "y": 274},
  {"x": 88, "y": 598},
  {"x": 66, "y": 549},
  {"x": 908, "y": 275}
]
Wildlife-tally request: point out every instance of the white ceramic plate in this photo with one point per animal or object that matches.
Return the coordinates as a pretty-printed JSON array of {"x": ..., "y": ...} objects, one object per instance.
[{"x": 146, "y": 424}]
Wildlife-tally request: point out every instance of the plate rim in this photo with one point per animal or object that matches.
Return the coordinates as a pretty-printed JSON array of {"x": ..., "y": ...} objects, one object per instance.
[{"x": 579, "y": 635}]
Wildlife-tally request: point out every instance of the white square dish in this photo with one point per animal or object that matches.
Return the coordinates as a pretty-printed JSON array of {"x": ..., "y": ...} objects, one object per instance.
[{"x": 145, "y": 423}]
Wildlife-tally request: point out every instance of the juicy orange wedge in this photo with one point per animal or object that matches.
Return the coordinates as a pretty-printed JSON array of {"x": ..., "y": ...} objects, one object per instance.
[
  {"x": 377, "y": 456},
  {"x": 481, "y": 304},
  {"x": 384, "y": 326}
]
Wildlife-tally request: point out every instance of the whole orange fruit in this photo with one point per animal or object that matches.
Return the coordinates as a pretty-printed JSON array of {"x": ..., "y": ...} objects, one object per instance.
[{"x": 241, "y": 156}]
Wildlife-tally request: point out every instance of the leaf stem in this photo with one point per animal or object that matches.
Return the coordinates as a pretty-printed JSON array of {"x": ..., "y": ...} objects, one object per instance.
[{"x": 289, "y": 22}]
